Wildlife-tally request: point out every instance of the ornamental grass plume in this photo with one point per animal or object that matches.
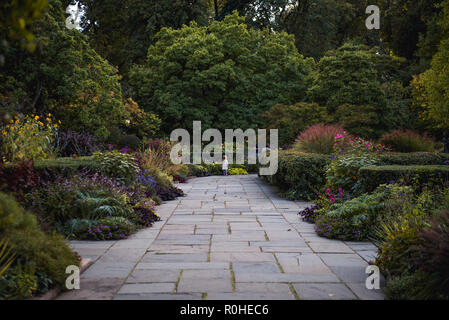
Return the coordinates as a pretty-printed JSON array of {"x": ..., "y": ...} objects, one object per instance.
[
  {"x": 320, "y": 138},
  {"x": 408, "y": 141}
]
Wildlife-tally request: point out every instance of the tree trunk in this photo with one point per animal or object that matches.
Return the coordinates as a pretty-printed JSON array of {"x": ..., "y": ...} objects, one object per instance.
[{"x": 216, "y": 9}]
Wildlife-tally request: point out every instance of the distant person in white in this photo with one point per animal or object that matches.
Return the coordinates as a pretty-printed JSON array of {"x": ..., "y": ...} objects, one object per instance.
[
  {"x": 224, "y": 166},
  {"x": 264, "y": 150}
]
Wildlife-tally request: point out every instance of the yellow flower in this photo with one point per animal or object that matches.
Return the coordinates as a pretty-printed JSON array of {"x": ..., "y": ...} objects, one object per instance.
[
  {"x": 49, "y": 114},
  {"x": 36, "y": 117},
  {"x": 59, "y": 121},
  {"x": 55, "y": 126}
]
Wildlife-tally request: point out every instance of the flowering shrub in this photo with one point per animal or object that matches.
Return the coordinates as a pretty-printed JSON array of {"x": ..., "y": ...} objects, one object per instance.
[
  {"x": 320, "y": 138},
  {"x": 350, "y": 154},
  {"x": 111, "y": 228},
  {"x": 354, "y": 219},
  {"x": 408, "y": 141},
  {"x": 29, "y": 138},
  {"x": 342, "y": 171},
  {"x": 147, "y": 182},
  {"x": 341, "y": 228}
]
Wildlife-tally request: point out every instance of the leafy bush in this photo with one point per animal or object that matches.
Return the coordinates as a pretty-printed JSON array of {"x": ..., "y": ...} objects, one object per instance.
[
  {"x": 408, "y": 287},
  {"x": 300, "y": 175},
  {"x": 434, "y": 248},
  {"x": 28, "y": 138},
  {"x": 349, "y": 156},
  {"x": 49, "y": 254},
  {"x": 309, "y": 214},
  {"x": 13, "y": 216},
  {"x": 170, "y": 193},
  {"x": 291, "y": 120},
  {"x": 20, "y": 178},
  {"x": 237, "y": 171},
  {"x": 140, "y": 123},
  {"x": 343, "y": 171},
  {"x": 416, "y": 158},
  {"x": 69, "y": 143},
  {"x": 81, "y": 196},
  {"x": 20, "y": 282},
  {"x": 198, "y": 171},
  {"x": 373, "y": 176},
  {"x": 144, "y": 213},
  {"x": 362, "y": 121},
  {"x": 354, "y": 219},
  {"x": 157, "y": 156},
  {"x": 319, "y": 138},
  {"x": 413, "y": 248},
  {"x": 130, "y": 141},
  {"x": 111, "y": 228},
  {"x": 399, "y": 237},
  {"x": 146, "y": 182},
  {"x": 408, "y": 141},
  {"x": 341, "y": 228},
  {"x": 121, "y": 166}
]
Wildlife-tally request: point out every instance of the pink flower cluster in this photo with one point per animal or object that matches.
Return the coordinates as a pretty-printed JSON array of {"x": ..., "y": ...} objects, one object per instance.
[{"x": 332, "y": 197}]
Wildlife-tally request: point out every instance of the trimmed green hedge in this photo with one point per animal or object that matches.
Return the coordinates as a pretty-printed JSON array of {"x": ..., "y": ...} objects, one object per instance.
[
  {"x": 300, "y": 175},
  {"x": 371, "y": 177},
  {"x": 416, "y": 158}
]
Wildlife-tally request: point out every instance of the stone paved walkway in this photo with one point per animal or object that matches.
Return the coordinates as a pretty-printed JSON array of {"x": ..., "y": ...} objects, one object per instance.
[{"x": 229, "y": 238}]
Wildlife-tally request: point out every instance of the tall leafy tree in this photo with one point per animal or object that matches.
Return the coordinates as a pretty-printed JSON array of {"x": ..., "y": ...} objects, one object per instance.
[
  {"x": 349, "y": 83},
  {"x": 16, "y": 19},
  {"x": 408, "y": 24},
  {"x": 64, "y": 76},
  {"x": 432, "y": 87},
  {"x": 322, "y": 25},
  {"x": 224, "y": 75},
  {"x": 122, "y": 30}
]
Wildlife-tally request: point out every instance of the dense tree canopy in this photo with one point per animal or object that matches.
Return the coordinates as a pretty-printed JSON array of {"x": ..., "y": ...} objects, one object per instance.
[
  {"x": 324, "y": 25},
  {"x": 224, "y": 75},
  {"x": 122, "y": 30},
  {"x": 408, "y": 24},
  {"x": 350, "y": 83},
  {"x": 432, "y": 87},
  {"x": 293, "y": 119},
  {"x": 16, "y": 18},
  {"x": 226, "y": 69},
  {"x": 64, "y": 76}
]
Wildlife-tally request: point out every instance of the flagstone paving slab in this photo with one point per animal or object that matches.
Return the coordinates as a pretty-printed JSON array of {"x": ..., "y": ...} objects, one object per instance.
[
  {"x": 328, "y": 291},
  {"x": 229, "y": 238}
]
